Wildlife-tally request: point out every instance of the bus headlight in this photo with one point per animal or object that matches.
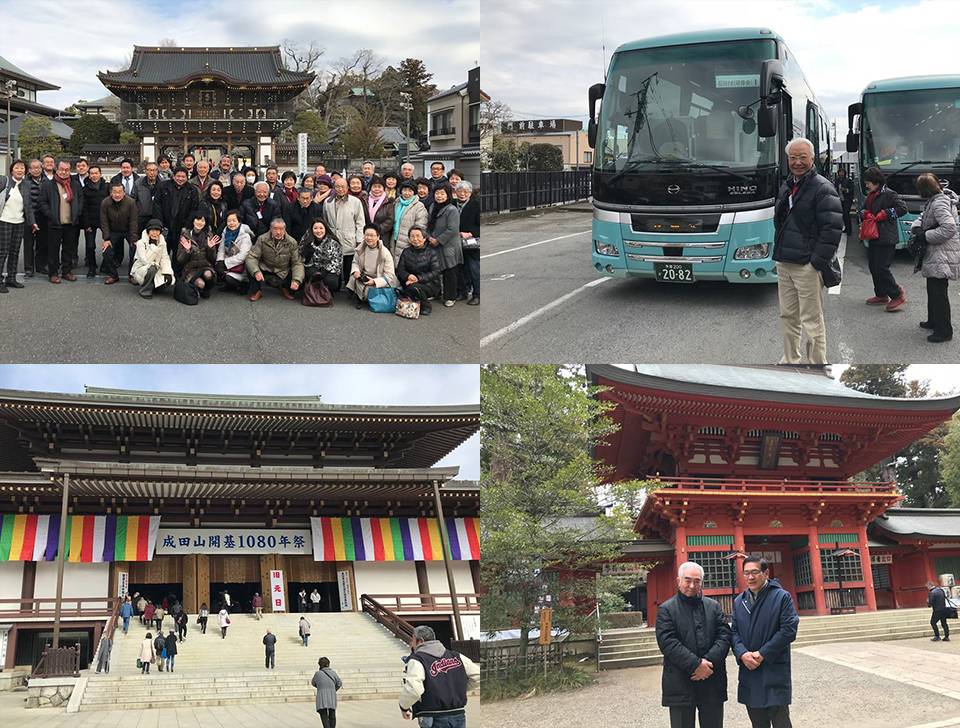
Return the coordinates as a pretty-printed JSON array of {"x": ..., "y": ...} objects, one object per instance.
[
  {"x": 752, "y": 252},
  {"x": 606, "y": 248}
]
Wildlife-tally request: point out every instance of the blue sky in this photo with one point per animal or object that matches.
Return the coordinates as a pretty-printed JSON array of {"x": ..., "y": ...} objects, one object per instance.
[
  {"x": 397, "y": 384},
  {"x": 548, "y": 52},
  {"x": 95, "y": 35}
]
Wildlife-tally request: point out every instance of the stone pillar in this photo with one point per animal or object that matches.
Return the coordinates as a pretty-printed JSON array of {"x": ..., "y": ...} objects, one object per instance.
[
  {"x": 817, "y": 571},
  {"x": 869, "y": 593},
  {"x": 739, "y": 545}
]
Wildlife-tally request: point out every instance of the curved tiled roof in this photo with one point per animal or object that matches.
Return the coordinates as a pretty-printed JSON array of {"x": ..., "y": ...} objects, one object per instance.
[{"x": 176, "y": 66}]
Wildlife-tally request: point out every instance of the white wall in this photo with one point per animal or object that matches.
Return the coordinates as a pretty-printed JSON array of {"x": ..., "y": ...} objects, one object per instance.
[
  {"x": 437, "y": 577},
  {"x": 385, "y": 577},
  {"x": 11, "y": 579},
  {"x": 79, "y": 580}
]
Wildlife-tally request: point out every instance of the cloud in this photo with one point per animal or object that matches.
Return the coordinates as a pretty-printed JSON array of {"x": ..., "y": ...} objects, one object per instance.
[
  {"x": 547, "y": 53},
  {"x": 446, "y": 37}
]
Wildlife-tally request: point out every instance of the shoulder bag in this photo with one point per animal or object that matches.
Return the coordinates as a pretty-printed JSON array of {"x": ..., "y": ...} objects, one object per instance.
[
  {"x": 407, "y": 307},
  {"x": 382, "y": 300}
]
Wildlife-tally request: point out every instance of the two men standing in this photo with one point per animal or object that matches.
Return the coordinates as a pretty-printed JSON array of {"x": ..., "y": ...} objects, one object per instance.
[{"x": 694, "y": 637}]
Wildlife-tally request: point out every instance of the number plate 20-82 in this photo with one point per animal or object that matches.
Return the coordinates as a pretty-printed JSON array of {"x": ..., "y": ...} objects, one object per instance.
[{"x": 674, "y": 272}]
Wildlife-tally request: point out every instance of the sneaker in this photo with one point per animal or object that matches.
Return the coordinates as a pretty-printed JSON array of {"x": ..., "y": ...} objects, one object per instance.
[
  {"x": 878, "y": 301},
  {"x": 937, "y": 338},
  {"x": 926, "y": 325},
  {"x": 3, "y": 288},
  {"x": 945, "y": 639},
  {"x": 473, "y": 302},
  {"x": 449, "y": 304},
  {"x": 897, "y": 303},
  {"x": 934, "y": 639}
]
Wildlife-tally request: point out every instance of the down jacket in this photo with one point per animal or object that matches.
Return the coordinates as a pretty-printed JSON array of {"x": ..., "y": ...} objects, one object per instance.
[
  {"x": 269, "y": 256},
  {"x": 415, "y": 215},
  {"x": 939, "y": 223},
  {"x": 198, "y": 258},
  {"x": 424, "y": 263},
  {"x": 150, "y": 254},
  {"x": 237, "y": 253},
  {"x": 811, "y": 231},
  {"x": 888, "y": 201}
]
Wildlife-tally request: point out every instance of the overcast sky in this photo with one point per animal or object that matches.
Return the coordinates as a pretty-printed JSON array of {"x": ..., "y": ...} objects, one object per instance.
[
  {"x": 548, "y": 52},
  {"x": 396, "y": 384},
  {"x": 67, "y": 43}
]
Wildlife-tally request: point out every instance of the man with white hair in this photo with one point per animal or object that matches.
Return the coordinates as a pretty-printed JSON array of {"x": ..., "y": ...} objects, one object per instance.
[
  {"x": 809, "y": 222},
  {"x": 406, "y": 172},
  {"x": 694, "y": 637},
  {"x": 436, "y": 682},
  {"x": 256, "y": 212}
]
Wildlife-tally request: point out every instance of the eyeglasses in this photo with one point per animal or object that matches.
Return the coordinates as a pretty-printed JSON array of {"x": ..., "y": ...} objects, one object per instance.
[
  {"x": 795, "y": 158},
  {"x": 752, "y": 572}
]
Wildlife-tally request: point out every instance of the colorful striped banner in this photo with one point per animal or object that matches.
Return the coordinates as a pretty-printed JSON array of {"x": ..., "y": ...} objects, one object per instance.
[
  {"x": 33, "y": 537},
  {"x": 392, "y": 539}
]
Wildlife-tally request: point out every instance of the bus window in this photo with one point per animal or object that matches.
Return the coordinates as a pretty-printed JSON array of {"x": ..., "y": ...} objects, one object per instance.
[{"x": 812, "y": 130}]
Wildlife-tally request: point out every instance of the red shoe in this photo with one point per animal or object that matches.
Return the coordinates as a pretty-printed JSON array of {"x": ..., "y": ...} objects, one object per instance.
[
  {"x": 54, "y": 279},
  {"x": 878, "y": 301},
  {"x": 897, "y": 302},
  {"x": 69, "y": 276},
  {"x": 257, "y": 296},
  {"x": 110, "y": 281}
]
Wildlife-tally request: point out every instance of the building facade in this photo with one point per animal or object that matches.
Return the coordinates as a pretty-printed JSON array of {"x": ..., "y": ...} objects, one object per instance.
[
  {"x": 453, "y": 128},
  {"x": 23, "y": 89},
  {"x": 567, "y": 134},
  {"x": 760, "y": 460},
  {"x": 191, "y": 495}
]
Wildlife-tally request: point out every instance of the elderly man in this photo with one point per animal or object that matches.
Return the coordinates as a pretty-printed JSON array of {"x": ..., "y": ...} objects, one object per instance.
[
  {"x": 16, "y": 216},
  {"x": 127, "y": 176},
  {"x": 35, "y": 238},
  {"x": 694, "y": 637},
  {"x": 224, "y": 173},
  {"x": 367, "y": 171},
  {"x": 118, "y": 221},
  {"x": 203, "y": 178},
  {"x": 406, "y": 172},
  {"x": 764, "y": 624},
  {"x": 319, "y": 170},
  {"x": 937, "y": 601},
  {"x": 275, "y": 258},
  {"x": 809, "y": 223},
  {"x": 272, "y": 176},
  {"x": 345, "y": 219},
  {"x": 436, "y": 681},
  {"x": 300, "y": 215},
  {"x": 177, "y": 201},
  {"x": 61, "y": 204},
  {"x": 145, "y": 191},
  {"x": 257, "y": 211}
]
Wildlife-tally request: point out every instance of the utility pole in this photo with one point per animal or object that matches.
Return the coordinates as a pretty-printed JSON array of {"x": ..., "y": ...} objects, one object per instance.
[
  {"x": 408, "y": 105},
  {"x": 10, "y": 87}
]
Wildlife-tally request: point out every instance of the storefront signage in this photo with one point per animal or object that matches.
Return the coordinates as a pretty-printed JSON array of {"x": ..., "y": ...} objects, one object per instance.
[
  {"x": 346, "y": 594},
  {"x": 276, "y": 591},
  {"x": 225, "y": 541}
]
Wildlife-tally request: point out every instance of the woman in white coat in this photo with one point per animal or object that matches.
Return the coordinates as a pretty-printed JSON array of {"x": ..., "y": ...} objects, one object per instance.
[
  {"x": 148, "y": 653},
  {"x": 372, "y": 266},
  {"x": 232, "y": 255},
  {"x": 223, "y": 619},
  {"x": 151, "y": 267},
  {"x": 409, "y": 213}
]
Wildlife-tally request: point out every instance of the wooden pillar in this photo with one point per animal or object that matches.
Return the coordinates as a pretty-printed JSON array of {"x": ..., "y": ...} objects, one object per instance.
[
  {"x": 869, "y": 593},
  {"x": 267, "y": 564},
  {"x": 203, "y": 581},
  {"x": 817, "y": 570},
  {"x": 928, "y": 565},
  {"x": 229, "y": 145},
  {"x": 11, "y": 660},
  {"x": 29, "y": 581},
  {"x": 475, "y": 575},
  {"x": 190, "y": 603},
  {"x": 680, "y": 545},
  {"x": 894, "y": 582},
  {"x": 739, "y": 545}
]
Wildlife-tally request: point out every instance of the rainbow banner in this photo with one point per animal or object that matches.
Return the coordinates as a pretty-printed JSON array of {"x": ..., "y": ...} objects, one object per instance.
[
  {"x": 392, "y": 539},
  {"x": 89, "y": 538}
]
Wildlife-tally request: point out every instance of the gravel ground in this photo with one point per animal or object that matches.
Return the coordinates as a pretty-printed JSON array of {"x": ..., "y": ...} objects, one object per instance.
[{"x": 824, "y": 695}]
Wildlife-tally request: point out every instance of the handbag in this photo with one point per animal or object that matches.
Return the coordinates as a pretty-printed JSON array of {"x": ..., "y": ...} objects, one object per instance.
[
  {"x": 163, "y": 654},
  {"x": 868, "y": 229},
  {"x": 471, "y": 243},
  {"x": 139, "y": 664},
  {"x": 407, "y": 307},
  {"x": 228, "y": 620},
  {"x": 917, "y": 246},
  {"x": 316, "y": 293},
  {"x": 187, "y": 293},
  {"x": 382, "y": 300},
  {"x": 951, "y": 612}
]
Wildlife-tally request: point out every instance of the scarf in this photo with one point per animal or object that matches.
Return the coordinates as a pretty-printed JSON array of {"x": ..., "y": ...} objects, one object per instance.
[
  {"x": 67, "y": 187},
  {"x": 199, "y": 238},
  {"x": 215, "y": 208},
  {"x": 374, "y": 203},
  {"x": 291, "y": 194},
  {"x": 401, "y": 208},
  {"x": 438, "y": 207},
  {"x": 230, "y": 236},
  {"x": 391, "y": 193},
  {"x": 872, "y": 196}
]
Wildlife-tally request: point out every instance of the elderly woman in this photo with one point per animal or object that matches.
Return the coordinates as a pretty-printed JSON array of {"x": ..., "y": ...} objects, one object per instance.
[
  {"x": 309, "y": 182},
  {"x": 197, "y": 255},
  {"x": 391, "y": 183},
  {"x": 469, "y": 234},
  {"x": 425, "y": 192},
  {"x": 290, "y": 192},
  {"x": 321, "y": 255},
  {"x": 232, "y": 255},
  {"x": 148, "y": 654},
  {"x": 214, "y": 208},
  {"x": 324, "y": 184},
  {"x": 372, "y": 266},
  {"x": 409, "y": 213},
  {"x": 380, "y": 210},
  {"x": 151, "y": 268},
  {"x": 419, "y": 270},
  {"x": 884, "y": 207},
  {"x": 937, "y": 227},
  {"x": 327, "y": 683},
  {"x": 443, "y": 232}
]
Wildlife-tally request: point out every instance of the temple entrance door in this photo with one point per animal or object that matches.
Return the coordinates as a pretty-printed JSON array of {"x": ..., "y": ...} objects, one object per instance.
[
  {"x": 240, "y": 576},
  {"x": 157, "y": 579}
]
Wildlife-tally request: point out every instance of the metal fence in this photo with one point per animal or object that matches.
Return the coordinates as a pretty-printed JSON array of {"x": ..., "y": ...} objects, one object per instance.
[
  {"x": 505, "y": 191},
  {"x": 497, "y": 661}
]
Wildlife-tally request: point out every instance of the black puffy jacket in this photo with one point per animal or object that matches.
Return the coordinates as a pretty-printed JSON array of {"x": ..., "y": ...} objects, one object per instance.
[
  {"x": 810, "y": 232},
  {"x": 93, "y": 195},
  {"x": 424, "y": 263},
  {"x": 889, "y": 201},
  {"x": 688, "y": 630}
]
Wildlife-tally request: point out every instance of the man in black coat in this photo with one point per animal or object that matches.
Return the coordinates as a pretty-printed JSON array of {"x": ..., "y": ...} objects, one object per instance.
[
  {"x": 61, "y": 204},
  {"x": 95, "y": 191},
  {"x": 260, "y": 210},
  {"x": 694, "y": 637},
  {"x": 937, "y": 601},
  {"x": 177, "y": 201},
  {"x": 300, "y": 215},
  {"x": 808, "y": 224},
  {"x": 844, "y": 186}
]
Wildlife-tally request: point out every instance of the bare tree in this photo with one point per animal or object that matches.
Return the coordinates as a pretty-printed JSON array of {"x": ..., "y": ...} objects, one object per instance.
[
  {"x": 168, "y": 43},
  {"x": 297, "y": 58},
  {"x": 492, "y": 115}
]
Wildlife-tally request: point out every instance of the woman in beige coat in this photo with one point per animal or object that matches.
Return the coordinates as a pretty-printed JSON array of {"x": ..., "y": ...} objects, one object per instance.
[
  {"x": 408, "y": 213},
  {"x": 372, "y": 266},
  {"x": 148, "y": 654}
]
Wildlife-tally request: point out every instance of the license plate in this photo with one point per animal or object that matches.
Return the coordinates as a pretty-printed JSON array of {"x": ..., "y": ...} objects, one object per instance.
[{"x": 674, "y": 272}]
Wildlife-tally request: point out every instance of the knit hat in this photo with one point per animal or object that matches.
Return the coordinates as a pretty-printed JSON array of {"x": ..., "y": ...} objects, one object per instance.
[
  {"x": 324, "y": 179},
  {"x": 154, "y": 225}
]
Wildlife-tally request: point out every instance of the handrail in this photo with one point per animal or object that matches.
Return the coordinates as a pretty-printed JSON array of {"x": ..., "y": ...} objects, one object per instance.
[
  {"x": 772, "y": 485},
  {"x": 109, "y": 629},
  {"x": 400, "y": 627},
  {"x": 36, "y": 610},
  {"x": 428, "y": 602}
]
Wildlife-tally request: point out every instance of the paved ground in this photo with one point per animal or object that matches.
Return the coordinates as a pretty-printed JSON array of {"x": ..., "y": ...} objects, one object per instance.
[
  {"x": 825, "y": 694},
  {"x": 350, "y": 714},
  {"x": 89, "y": 323},
  {"x": 616, "y": 320}
]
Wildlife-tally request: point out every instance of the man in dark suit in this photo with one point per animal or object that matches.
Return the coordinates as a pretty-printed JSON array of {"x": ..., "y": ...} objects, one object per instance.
[
  {"x": 126, "y": 177},
  {"x": 61, "y": 204},
  {"x": 258, "y": 211}
]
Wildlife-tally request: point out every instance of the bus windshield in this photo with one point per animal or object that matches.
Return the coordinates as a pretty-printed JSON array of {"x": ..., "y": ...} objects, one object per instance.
[
  {"x": 902, "y": 127},
  {"x": 678, "y": 105}
]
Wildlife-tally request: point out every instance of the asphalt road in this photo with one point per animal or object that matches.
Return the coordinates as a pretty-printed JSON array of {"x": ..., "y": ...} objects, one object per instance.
[
  {"x": 89, "y": 323},
  {"x": 531, "y": 262}
]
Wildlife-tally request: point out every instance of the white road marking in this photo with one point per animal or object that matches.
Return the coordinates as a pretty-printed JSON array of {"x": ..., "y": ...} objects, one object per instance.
[
  {"x": 531, "y": 316},
  {"x": 504, "y": 277},
  {"x": 530, "y": 245},
  {"x": 841, "y": 252}
]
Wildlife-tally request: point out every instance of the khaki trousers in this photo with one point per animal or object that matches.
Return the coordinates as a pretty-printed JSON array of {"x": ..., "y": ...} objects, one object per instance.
[{"x": 801, "y": 309}]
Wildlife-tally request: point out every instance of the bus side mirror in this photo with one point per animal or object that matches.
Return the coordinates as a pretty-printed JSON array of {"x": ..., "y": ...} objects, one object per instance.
[
  {"x": 771, "y": 81},
  {"x": 771, "y": 77},
  {"x": 596, "y": 93},
  {"x": 853, "y": 141}
]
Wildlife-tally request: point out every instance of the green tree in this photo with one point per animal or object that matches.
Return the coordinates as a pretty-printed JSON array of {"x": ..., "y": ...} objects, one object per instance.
[
  {"x": 546, "y": 158},
  {"x": 416, "y": 82},
  {"x": 504, "y": 155},
  {"x": 36, "y": 138},
  {"x": 128, "y": 137},
  {"x": 310, "y": 123},
  {"x": 361, "y": 138},
  {"x": 950, "y": 462},
  {"x": 93, "y": 129},
  {"x": 539, "y": 423},
  {"x": 883, "y": 380}
]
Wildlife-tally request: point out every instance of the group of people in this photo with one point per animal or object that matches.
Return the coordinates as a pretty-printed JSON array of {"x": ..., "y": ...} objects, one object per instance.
[
  {"x": 192, "y": 229},
  {"x": 809, "y": 219}
]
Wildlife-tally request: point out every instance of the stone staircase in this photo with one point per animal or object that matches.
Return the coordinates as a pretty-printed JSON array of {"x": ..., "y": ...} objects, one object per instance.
[
  {"x": 214, "y": 671},
  {"x": 638, "y": 647}
]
